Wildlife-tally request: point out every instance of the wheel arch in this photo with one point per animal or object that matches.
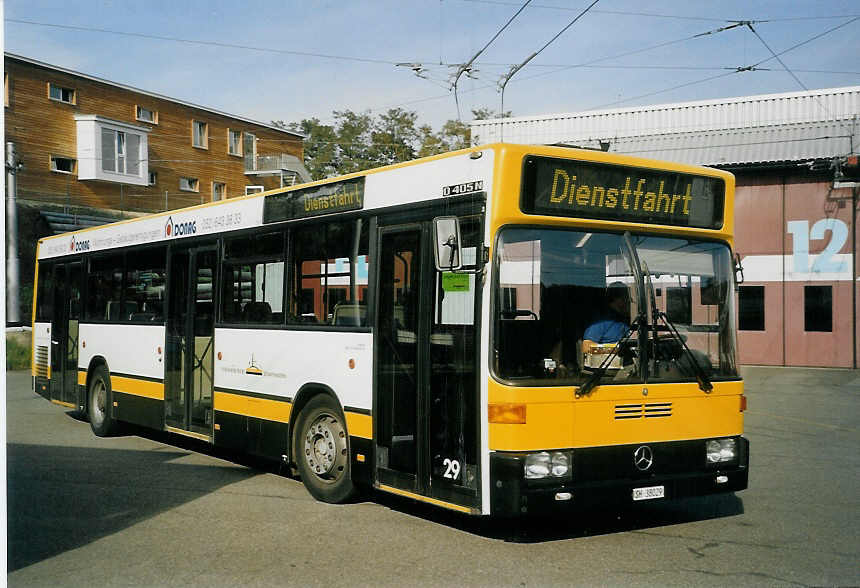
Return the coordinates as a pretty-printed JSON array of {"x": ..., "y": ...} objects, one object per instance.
[
  {"x": 303, "y": 396},
  {"x": 95, "y": 362}
]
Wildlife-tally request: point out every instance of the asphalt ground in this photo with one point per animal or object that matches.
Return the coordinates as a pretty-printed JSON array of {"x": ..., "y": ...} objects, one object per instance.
[{"x": 157, "y": 510}]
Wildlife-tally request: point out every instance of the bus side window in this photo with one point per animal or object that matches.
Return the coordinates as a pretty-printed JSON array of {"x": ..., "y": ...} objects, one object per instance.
[
  {"x": 104, "y": 288},
  {"x": 44, "y": 295},
  {"x": 252, "y": 288},
  {"x": 329, "y": 274},
  {"x": 144, "y": 285}
]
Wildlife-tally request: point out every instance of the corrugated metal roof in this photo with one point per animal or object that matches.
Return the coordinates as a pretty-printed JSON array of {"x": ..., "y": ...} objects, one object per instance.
[
  {"x": 769, "y": 144},
  {"x": 750, "y": 129}
]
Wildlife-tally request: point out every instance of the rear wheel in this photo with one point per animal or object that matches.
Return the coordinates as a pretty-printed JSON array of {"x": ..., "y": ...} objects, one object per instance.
[
  {"x": 321, "y": 450},
  {"x": 98, "y": 403}
]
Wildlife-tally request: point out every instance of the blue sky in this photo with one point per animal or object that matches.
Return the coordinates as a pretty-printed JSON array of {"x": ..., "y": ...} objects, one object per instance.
[{"x": 266, "y": 85}]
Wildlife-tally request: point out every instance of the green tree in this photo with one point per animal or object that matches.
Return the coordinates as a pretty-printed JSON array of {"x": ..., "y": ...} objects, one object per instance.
[
  {"x": 353, "y": 131},
  {"x": 320, "y": 146},
  {"x": 358, "y": 141},
  {"x": 395, "y": 137}
]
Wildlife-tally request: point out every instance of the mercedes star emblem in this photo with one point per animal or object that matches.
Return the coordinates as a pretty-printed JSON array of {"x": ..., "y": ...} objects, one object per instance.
[{"x": 643, "y": 458}]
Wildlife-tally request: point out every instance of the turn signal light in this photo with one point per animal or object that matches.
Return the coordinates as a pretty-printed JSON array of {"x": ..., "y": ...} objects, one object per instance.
[
  {"x": 743, "y": 403},
  {"x": 510, "y": 414}
]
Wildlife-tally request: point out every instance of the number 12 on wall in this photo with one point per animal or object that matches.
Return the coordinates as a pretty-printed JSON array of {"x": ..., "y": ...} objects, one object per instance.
[{"x": 825, "y": 261}]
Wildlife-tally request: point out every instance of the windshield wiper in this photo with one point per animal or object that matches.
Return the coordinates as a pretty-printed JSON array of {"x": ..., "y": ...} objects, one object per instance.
[
  {"x": 597, "y": 374},
  {"x": 652, "y": 299},
  {"x": 699, "y": 372}
]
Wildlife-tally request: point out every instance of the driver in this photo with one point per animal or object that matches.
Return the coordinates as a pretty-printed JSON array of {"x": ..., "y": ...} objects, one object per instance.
[{"x": 614, "y": 323}]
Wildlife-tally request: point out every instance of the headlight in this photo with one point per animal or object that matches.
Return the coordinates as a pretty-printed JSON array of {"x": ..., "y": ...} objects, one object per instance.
[
  {"x": 721, "y": 450},
  {"x": 545, "y": 464},
  {"x": 560, "y": 464}
]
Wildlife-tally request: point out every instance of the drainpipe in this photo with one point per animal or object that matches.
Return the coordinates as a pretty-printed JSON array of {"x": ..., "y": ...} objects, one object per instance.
[
  {"x": 13, "y": 282},
  {"x": 854, "y": 283}
]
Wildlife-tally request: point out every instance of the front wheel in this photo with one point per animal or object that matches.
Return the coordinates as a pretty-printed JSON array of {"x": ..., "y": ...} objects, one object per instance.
[
  {"x": 98, "y": 403},
  {"x": 321, "y": 450}
]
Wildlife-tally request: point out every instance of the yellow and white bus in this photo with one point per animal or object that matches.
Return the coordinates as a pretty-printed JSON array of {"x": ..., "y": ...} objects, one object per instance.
[{"x": 504, "y": 329}]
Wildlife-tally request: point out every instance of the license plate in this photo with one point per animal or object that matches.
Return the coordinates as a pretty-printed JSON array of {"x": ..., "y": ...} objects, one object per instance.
[{"x": 649, "y": 493}]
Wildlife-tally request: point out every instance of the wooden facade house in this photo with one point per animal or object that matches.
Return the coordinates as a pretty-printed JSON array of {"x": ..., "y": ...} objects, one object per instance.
[
  {"x": 88, "y": 142},
  {"x": 88, "y": 151}
]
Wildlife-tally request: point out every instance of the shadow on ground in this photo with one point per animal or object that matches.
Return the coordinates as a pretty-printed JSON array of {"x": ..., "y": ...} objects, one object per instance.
[
  {"x": 538, "y": 529},
  {"x": 61, "y": 498}
]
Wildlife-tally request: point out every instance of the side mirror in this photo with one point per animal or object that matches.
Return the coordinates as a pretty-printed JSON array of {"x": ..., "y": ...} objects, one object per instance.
[{"x": 446, "y": 236}]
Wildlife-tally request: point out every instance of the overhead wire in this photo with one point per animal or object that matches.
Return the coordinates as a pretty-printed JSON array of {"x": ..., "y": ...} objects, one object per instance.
[
  {"x": 568, "y": 8},
  {"x": 753, "y": 67},
  {"x": 466, "y": 67},
  {"x": 507, "y": 77},
  {"x": 774, "y": 55},
  {"x": 791, "y": 73},
  {"x": 206, "y": 43},
  {"x": 561, "y": 68},
  {"x": 657, "y": 15},
  {"x": 809, "y": 40},
  {"x": 710, "y": 78}
]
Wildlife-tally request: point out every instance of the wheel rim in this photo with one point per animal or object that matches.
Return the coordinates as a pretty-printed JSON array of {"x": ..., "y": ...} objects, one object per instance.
[
  {"x": 325, "y": 447},
  {"x": 98, "y": 400}
]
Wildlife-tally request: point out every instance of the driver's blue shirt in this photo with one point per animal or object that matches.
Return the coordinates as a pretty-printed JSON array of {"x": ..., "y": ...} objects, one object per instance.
[{"x": 606, "y": 331}]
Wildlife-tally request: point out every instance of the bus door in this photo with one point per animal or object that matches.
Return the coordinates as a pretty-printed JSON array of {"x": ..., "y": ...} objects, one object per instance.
[
  {"x": 189, "y": 362},
  {"x": 64, "y": 333},
  {"x": 426, "y": 394}
]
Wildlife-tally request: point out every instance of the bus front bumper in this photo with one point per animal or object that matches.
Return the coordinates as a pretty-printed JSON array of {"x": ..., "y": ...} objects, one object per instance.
[{"x": 513, "y": 495}]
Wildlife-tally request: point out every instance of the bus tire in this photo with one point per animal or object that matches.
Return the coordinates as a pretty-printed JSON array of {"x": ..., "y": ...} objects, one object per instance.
[
  {"x": 99, "y": 403},
  {"x": 321, "y": 450}
]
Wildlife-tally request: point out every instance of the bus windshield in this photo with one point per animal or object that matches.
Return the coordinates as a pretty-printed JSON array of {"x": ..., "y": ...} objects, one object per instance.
[{"x": 637, "y": 309}]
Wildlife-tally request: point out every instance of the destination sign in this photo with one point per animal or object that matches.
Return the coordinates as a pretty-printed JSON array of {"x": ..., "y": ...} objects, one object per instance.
[
  {"x": 326, "y": 199},
  {"x": 564, "y": 187}
]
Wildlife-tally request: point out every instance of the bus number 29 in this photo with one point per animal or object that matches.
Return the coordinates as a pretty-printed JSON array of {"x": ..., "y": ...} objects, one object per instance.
[{"x": 452, "y": 468}]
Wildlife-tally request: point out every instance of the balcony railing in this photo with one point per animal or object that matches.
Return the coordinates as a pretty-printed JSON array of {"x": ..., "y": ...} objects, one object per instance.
[
  {"x": 289, "y": 167},
  {"x": 271, "y": 163}
]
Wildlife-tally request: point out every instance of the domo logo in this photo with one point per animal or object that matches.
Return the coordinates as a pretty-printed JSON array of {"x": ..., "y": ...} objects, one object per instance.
[
  {"x": 172, "y": 229},
  {"x": 79, "y": 245}
]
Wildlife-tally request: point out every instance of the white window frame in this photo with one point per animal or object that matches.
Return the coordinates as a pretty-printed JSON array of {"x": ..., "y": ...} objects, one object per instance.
[
  {"x": 152, "y": 178},
  {"x": 120, "y": 152},
  {"x": 193, "y": 184},
  {"x": 205, "y": 143},
  {"x": 73, "y": 94},
  {"x": 223, "y": 193},
  {"x": 250, "y": 158},
  {"x": 137, "y": 114},
  {"x": 90, "y": 153},
  {"x": 54, "y": 168},
  {"x": 254, "y": 189},
  {"x": 238, "y": 151}
]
